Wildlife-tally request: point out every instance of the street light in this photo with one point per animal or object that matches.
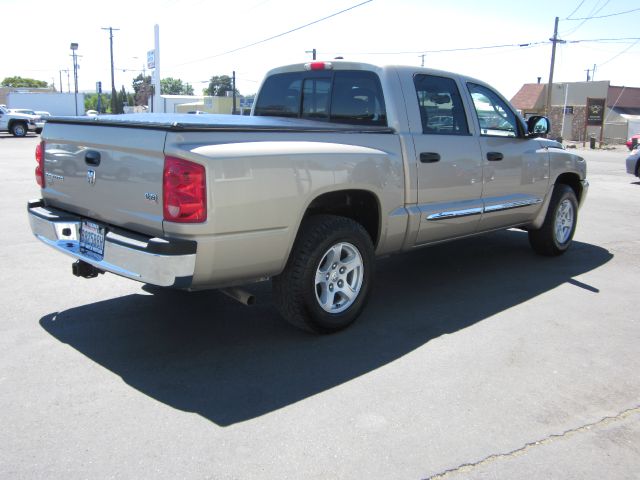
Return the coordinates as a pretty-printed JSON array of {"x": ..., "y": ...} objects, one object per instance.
[{"x": 74, "y": 48}]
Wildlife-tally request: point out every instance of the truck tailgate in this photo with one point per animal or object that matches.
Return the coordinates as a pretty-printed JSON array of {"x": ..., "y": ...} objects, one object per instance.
[{"x": 109, "y": 174}]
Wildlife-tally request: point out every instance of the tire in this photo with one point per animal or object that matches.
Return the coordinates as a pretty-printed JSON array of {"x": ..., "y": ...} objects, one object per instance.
[
  {"x": 38, "y": 131},
  {"x": 328, "y": 277},
  {"x": 556, "y": 234},
  {"x": 19, "y": 129}
]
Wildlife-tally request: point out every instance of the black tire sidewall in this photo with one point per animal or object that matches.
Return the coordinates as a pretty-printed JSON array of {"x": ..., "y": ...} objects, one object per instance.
[
  {"x": 16, "y": 125},
  {"x": 566, "y": 194},
  {"x": 346, "y": 231}
]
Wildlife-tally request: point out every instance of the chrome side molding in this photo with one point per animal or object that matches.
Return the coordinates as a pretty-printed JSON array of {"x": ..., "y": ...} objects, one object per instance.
[{"x": 487, "y": 209}]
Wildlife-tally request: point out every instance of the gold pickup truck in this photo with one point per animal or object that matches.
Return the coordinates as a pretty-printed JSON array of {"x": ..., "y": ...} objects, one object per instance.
[{"x": 339, "y": 162}]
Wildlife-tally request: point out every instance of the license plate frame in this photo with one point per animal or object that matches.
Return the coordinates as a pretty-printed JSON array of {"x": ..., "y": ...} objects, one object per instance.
[{"x": 92, "y": 237}]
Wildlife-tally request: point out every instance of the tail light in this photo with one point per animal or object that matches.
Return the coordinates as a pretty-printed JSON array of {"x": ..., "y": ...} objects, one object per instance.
[
  {"x": 184, "y": 191},
  {"x": 40, "y": 166}
]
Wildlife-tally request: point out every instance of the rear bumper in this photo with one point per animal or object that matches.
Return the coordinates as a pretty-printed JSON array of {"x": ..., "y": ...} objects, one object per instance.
[{"x": 157, "y": 261}]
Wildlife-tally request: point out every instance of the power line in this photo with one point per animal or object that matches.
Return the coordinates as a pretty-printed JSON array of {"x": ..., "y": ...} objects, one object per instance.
[
  {"x": 618, "y": 54},
  {"x": 575, "y": 10},
  {"x": 444, "y": 50},
  {"x": 589, "y": 16},
  {"x": 604, "y": 16},
  {"x": 275, "y": 36}
]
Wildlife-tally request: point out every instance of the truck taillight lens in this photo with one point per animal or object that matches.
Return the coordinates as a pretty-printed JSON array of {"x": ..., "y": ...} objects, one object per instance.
[
  {"x": 184, "y": 190},
  {"x": 40, "y": 166}
]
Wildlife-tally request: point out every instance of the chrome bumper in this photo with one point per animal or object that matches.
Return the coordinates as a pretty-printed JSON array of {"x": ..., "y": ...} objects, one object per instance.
[{"x": 158, "y": 261}]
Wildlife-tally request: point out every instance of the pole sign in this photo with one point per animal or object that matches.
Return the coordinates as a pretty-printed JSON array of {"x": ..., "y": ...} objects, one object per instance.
[
  {"x": 151, "y": 59},
  {"x": 595, "y": 111}
]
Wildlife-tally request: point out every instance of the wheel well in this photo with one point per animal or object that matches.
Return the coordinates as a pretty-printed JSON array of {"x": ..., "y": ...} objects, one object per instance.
[
  {"x": 573, "y": 181},
  {"x": 359, "y": 205}
]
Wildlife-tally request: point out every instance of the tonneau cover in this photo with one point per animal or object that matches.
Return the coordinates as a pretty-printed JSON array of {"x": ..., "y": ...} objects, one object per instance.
[{"x": 191, "y": 122}]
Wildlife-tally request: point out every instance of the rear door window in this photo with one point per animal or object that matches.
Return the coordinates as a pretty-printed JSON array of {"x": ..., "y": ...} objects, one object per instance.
[{"x": 441, "y": 108}]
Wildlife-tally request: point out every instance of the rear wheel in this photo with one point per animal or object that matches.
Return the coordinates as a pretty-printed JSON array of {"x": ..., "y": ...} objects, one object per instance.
[
  {"x": 19, "y": 129},
  {"x": 325, "y": 284},
  {"x": 556, "y": 234}
]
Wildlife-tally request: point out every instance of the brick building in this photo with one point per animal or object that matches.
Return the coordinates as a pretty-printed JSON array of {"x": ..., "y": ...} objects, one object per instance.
[{"x": 569, "y": 105}]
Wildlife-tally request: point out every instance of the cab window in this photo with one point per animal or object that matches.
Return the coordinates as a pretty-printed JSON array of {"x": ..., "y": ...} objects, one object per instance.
[
  {"x": 441, "y": 109},
  {"x": 344, "y": 96},
  {"x": 495, "y": 117}
]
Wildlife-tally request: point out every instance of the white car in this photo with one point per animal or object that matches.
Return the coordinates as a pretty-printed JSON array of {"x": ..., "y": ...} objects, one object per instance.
[
  {"x": 19, "y": 124},
  {"x": 25, "y": 111}
]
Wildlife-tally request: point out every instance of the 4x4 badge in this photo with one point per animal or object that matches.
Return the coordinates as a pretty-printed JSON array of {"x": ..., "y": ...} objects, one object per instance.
[{"x": 91, "y": 176}]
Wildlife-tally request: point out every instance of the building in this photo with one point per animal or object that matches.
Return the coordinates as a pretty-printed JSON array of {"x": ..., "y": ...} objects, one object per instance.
[
  {"x": 189, "y": 103},
  {"x": 568, "y": 114}
]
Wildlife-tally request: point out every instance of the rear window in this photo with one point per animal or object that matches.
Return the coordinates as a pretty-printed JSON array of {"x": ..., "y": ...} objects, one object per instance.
[{"x": 345, "y": 96}]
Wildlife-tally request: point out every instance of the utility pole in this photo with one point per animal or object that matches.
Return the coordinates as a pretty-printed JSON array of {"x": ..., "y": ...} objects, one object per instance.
[
  {"x": 554, "y": 41},
  {"x": 113, "y": 83},
  {"x": 313, "y": 52},
  {"x": 233, "y": 86},
  {"x": 593, "y": 73},
  {"x": 74, "y": 49},
  {"x": 423, "y": 55},
  {"x": 588, "y": 70}
]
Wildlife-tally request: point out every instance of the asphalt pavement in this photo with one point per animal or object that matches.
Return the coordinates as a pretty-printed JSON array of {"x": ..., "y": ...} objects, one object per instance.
[{"x": 474, "y": 359}]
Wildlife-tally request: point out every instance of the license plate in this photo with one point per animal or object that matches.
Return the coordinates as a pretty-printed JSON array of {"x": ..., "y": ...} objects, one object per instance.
[{"x": 92, "y": 239}]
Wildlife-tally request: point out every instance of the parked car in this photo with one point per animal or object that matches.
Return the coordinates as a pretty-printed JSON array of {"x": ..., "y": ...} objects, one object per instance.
[
  {"x": 633, "y": 162},
  {"x": 630, "y": 141},
  {"x": 42, "y": 113}
]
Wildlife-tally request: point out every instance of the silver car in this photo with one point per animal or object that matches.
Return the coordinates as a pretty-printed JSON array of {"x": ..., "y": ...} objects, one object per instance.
[{"x": 633, "y": 162}]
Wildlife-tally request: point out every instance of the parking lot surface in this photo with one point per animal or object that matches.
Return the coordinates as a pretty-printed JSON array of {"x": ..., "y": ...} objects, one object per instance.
[{"x": 474, "y": 359}]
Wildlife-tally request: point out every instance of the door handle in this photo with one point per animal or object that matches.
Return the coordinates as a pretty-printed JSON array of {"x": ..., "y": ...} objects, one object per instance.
[
  {"x": 429, "y": 157},
  {"x": 494, "y": 156},
  {"x": 92, "y": 158}
]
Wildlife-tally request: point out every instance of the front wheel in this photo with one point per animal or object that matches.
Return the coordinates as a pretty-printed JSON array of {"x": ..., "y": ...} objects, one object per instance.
[
  {"x": 325, "y": 284},
  {"x": 556, "y": 234},
  {"x": 19, "y": 129}
]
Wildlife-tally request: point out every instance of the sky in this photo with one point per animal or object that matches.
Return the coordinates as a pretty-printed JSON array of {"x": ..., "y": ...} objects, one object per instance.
[{"x": 203, "y": 38}]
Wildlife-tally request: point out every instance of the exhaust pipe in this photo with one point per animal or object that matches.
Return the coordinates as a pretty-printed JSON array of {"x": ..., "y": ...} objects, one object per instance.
[
  {"x": 85, "y": 270},
  {"x": 240, "y": 295}
]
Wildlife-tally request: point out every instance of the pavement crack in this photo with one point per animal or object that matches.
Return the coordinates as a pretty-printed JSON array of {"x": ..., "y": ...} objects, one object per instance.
[{"x": 466, "y": 467}]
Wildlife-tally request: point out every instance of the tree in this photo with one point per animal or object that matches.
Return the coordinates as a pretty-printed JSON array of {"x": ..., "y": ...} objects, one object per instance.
[
  {"x": 174, "y": 86},
  {"x": 23, "y": 82},
  {"x": 91, "y": 102},
  {"x": 219, "y": 85},
  {"x": 143, "y": 89}
]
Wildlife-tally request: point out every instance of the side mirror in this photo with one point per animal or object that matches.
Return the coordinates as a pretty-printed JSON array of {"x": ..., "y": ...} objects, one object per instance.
[{"x": 538, "y": 125}]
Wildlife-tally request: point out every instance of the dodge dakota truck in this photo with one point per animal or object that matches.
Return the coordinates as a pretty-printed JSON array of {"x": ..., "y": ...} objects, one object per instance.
[{"x": 339, "y": 162}]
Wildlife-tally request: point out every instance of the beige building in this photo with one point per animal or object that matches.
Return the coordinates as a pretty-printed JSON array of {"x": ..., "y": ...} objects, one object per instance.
[{"x": 189, "y": 103}]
